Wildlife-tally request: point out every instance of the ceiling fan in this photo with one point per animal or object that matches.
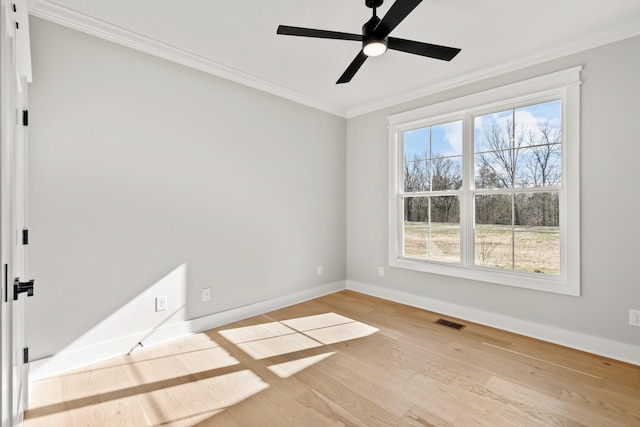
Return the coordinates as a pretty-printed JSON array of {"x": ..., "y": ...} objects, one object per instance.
[{"x": 375, "y": 37}]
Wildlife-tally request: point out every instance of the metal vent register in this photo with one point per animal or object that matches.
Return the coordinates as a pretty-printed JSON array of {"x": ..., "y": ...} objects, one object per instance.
[{"x": 453, "y": 325}]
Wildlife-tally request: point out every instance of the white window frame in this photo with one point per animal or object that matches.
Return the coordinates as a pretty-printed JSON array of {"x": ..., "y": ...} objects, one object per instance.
[{"x": 564, "y": 85}]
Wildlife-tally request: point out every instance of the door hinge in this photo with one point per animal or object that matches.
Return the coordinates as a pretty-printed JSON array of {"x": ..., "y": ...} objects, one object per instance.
[
  {"x": 25, "y": 117},
  {"x": 25, "y": 237},
  {"x": 25, "y": 355},
  {"x": 20, "y": 287}
]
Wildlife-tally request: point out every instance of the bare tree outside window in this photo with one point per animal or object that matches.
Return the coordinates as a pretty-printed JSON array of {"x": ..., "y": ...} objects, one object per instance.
[
  {"x": 517, "y": 149},
  {"x": 487, "y": 186},
  {"x": 432, "y": 169}
]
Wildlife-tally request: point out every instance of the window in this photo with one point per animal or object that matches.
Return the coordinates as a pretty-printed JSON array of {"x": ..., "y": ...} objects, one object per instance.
[{"x": 486, "y": 187}]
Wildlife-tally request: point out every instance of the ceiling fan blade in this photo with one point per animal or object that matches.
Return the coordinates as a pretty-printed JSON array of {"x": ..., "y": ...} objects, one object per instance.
[
  {"x": 424, "y": 49},
  {"x": 396, "y": 14},
  {"x": 353, "y": 68},
  {"x": 322, "y": 34}
]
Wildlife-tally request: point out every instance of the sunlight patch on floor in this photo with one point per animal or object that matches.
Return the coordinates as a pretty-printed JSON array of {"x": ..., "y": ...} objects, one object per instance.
[
  {"x": 291, "y": 335},
  {"x": 269, "y": 347},
  {"x": 256, "y": 332},
  {"x": 318, "y": 321},
  {"x": 287, "y": 369},
  {"x": 189, "y": 380},
  {"x": 344, "y": 332}
]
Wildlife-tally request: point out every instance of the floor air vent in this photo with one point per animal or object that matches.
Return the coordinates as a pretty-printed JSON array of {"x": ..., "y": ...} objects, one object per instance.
[{"x": 453, "y": 325}]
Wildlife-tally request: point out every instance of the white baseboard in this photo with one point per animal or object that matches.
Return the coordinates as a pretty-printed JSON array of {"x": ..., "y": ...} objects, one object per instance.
[
  {"x": 596, "y": 345},
  {"x": 225, "y": 317},
  {"x": 72, "y": 359},
  {"x": 76, "y": 358},
  {"x": 66, "y": 361}
]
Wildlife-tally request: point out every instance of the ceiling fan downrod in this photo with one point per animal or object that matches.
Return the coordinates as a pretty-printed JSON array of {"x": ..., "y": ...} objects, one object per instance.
[
  {"x": 374, "y": 4},
  {"x": 372, "y": 45}
]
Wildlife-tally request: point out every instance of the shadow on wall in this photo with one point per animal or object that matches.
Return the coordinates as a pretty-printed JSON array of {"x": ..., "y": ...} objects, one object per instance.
[{"x": 137, "y": 323}]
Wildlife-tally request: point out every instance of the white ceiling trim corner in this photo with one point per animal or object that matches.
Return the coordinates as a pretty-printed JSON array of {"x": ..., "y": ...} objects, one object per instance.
[
  {"x": 594, "y": 41},
  {"x": 86, "y": 24},
  {"x": 53, "y": 12}
]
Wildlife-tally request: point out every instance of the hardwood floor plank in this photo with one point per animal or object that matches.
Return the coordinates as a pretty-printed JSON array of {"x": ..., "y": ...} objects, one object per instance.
[
  {"x": 620, "y": 407},
  {"x": 367, "y": 412},
  {"x": 484, "y": 417},
  {"x": 502, "y": 407},
  {"x": 420, "y": 417},
  {"x": 329, "y": 409},
  {"x": 345, "y": 359}
]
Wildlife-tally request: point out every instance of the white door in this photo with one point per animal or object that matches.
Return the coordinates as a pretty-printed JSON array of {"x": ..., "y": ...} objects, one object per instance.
[{"x": 15, "y": 74}]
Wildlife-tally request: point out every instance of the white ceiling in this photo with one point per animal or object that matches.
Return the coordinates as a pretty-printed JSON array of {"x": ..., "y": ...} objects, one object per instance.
[{"x": 237, "y": 39}]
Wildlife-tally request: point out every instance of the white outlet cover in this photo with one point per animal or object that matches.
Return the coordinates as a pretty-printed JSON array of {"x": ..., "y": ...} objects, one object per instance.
[
  {"x": 161, "y": 303},
  {"x": 634, "y": 317},
  {"x": 206, "y": 294}
]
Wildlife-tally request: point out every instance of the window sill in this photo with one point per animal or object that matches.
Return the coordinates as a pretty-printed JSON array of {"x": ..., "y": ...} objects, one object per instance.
[{"x": 541, "y": 282}]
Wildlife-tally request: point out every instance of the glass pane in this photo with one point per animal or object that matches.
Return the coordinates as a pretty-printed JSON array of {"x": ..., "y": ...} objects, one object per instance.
[
  {"x": 494, "y": 247},
  {"x": 525, "y": 171},
  {"x": 540, "y": 166},
  {"x": 433, "y": 154},
  {"x": 496, "y": 169},
  {"x": 416, "y": 220},
  {"x": 497, "y": 138},
  {"x": 485, "y": 176},
  {"x": 538, "y": 252},
  {"x": 446, "y": 173},
  {"x": 416, "y": 176},
  {"x": 537, "y": 210},
  {"x": 416, "y": 144},
  {"x": 445, "y": 243},
  {"x": 445, "y": 229},
  {"x": 415, "y": 240},
  {"x": 416, "y": 209},
  {"x": 432, "y": 228},
  {"x": 493, "y": 131},
  {"x": 540, "y": 123},
  {"x": 493, "y": 209},
  {"x": 445, "y": 210},
  {"x": 446, "y": 139}
]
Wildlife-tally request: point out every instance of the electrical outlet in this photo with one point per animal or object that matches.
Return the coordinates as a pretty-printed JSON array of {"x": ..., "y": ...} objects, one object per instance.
[
  {"x": 320, "y": 270},
  {"x": 634, "y": 317},
  {"x": 206, "y": 294},
  {"x": 161, "y": 303},
  {"x": 380, "y": 271}
]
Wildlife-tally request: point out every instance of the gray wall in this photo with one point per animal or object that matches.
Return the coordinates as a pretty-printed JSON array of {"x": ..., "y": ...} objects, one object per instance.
[
  {"x": 610, "y": 230},
  {"x": 148, "y": 178},
  {"x": 146, "y": 175}
]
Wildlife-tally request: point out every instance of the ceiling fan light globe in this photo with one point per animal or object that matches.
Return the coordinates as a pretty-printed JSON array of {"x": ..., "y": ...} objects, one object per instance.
[{"x": 374, "y": 47}]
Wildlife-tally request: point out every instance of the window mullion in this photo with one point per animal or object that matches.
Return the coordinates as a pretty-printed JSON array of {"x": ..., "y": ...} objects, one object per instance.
[
  {"x": 490, "y": 188},
  {"x": 466, "y": 202}
]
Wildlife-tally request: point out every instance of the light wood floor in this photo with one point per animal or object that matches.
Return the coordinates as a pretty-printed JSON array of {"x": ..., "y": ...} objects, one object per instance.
[{"x": 345, "y": 360}]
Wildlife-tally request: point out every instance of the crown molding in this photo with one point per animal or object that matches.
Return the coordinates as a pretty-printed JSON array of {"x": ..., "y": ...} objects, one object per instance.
[
  {"x": 588, "y": 42},
  {"x": 45, "y": 9},
  {"x": 60, "y": 15}
]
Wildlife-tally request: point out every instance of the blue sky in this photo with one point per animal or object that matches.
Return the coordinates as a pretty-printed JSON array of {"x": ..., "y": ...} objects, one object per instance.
[
  {"x": 528, "y": 119},
  {"x": 446, "y": 139},
  {"x": 440, "y": 140}
]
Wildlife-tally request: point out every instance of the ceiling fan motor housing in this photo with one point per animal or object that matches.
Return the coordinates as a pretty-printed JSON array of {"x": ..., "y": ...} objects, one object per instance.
[
  {"x": 368, "y": 36},
  {"x": 373, "y": 3},
  {"x": 375, "y": 37}
]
